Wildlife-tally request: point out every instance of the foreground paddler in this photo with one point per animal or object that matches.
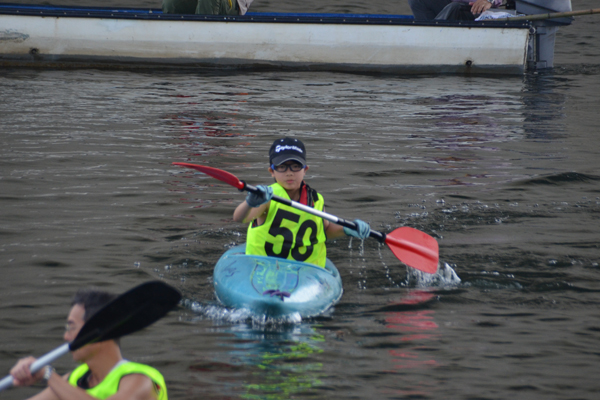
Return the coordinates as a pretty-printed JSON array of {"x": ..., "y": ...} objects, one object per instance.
[
  {"x": 95, "y": 322},
  {"x": 279, "y": 230}
]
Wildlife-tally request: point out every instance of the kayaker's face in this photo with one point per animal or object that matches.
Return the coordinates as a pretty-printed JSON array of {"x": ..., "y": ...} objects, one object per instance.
[
  {"x": 290, "y": 174},
  {"x": 75, "y": 322}
]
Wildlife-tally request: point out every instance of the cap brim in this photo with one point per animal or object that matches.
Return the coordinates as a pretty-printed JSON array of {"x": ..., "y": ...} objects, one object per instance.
[{"x": 288, "y": 157}]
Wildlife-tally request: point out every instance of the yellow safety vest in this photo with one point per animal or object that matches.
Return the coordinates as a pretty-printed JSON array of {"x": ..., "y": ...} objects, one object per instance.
[
  {"x": 289, "y": 233},
  {"x": 110, "y": 385}
]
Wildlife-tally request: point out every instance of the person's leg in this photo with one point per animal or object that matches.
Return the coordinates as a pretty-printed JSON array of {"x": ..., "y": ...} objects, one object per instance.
[
  {"x": 217, "y": 7},
  {"x": 456, "y": 12},
  {"x": 229, "y": 7},
  {"x": 427, "y": 9},
  {"x": 208, "y": 7},
  {"x": 179, "y": 6}
]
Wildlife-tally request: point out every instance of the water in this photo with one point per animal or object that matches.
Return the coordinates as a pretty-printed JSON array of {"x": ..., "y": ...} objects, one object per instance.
[{"x": 502, "y": 171}]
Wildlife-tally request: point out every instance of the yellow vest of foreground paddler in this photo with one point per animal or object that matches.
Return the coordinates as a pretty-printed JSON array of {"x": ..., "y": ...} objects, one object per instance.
[{"x": 110, "y": 384}]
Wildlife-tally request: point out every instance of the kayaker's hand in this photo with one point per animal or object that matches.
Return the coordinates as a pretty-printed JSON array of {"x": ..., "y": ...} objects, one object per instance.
[
  {"x": 21, "y": 373},
  {"x": 258, "y": 199},
  {"x": 479, "y": 6},
  {"x": 362, "y": 230}
]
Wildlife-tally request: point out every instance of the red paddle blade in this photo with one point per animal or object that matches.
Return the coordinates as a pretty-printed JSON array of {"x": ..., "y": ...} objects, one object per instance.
[
  {"x": 414, "y": 248},
  {"x": 219, "y": 174}
]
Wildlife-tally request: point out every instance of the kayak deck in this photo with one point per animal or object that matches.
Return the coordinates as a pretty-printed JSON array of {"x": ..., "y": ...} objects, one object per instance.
[{"x": 275, "y": 287}]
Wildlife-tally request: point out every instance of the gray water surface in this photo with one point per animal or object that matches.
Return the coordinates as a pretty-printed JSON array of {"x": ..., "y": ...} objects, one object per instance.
[{"x": 504, "y": 172}]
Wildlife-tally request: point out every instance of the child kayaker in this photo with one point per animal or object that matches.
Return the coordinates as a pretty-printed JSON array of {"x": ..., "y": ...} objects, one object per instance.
[{"x": 282, "y": 231}]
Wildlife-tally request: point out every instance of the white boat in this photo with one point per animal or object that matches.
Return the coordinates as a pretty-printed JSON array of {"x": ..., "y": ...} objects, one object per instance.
[{"x": 54, "y": 36}]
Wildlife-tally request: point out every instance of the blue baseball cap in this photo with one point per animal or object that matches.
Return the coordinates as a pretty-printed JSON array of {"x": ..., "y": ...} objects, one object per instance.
[{"x": 287, "y": 149}]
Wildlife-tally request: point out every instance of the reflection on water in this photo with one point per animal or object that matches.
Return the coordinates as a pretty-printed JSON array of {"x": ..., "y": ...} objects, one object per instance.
[
  {"x": 207, "y": 132},
  {"x": 415, "y": 329},
  {"x": 282, "y": 369},
  {"x": 544, "y": 111},
  {"x": 271, "y": 363}
]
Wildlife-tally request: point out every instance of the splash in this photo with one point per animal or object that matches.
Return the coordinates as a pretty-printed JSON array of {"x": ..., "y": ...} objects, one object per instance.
[
  {"x": 220, "y": 313},
  {"x": 445, "y": 276}
]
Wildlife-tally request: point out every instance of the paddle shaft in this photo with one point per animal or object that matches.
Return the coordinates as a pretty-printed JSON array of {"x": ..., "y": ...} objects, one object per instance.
[
  {"x": 40, "y": 363},
  {"x": 537, "y": 17},
  {"x": 329, "y": 217},
  {"x": 411, "y": 246},
  {"x": 381, "y": 237}
]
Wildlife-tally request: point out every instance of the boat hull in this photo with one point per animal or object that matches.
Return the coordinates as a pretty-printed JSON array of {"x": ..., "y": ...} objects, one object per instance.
[
  {"x": 254, "y": 41},
  {"x": 275, "y": 287}
]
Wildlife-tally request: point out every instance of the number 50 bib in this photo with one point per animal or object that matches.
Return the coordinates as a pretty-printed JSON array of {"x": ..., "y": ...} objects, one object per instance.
[{"x": 289, "y": 233}]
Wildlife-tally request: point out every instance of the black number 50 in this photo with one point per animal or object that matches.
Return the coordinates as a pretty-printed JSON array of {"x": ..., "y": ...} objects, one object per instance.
[{"x": 289, "y": 244}]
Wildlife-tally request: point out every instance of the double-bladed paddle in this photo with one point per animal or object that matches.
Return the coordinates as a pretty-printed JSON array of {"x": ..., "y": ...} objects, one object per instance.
[
  {"x": 411, "y": 246},
  {"x": 128, "y": 313}
]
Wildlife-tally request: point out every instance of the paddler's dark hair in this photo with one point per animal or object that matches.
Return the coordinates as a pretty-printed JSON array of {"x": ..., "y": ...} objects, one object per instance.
[{"x": 91, "y": 300}]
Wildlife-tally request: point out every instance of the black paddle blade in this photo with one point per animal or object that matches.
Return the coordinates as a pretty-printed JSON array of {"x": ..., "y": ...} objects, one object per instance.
[{"x": 128, "y": 313}]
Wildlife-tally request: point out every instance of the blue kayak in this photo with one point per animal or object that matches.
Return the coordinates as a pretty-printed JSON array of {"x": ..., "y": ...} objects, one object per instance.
[{"x": 275, "y": 287}]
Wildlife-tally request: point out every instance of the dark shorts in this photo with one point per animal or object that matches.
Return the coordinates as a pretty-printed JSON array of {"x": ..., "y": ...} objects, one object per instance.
[
  {"x": 456, "y": 12},
  {"x": 205, "y": 7}
]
